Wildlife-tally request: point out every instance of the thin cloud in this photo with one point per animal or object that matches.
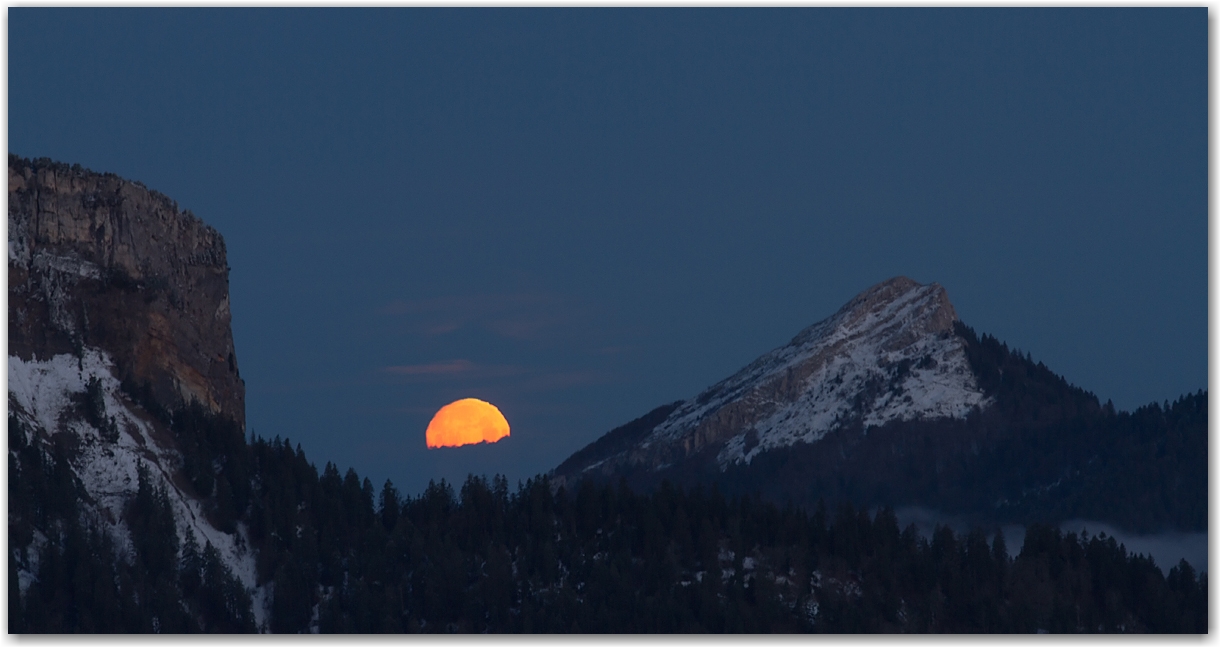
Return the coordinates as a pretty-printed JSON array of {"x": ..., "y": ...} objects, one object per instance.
[
  {"x": 441, "y": 328},
  {"x": 454, "y": 368},
  {"x": 523, "y": 326},
  {"x": 615, "y": 350},
  {"x": 509, "y": 404},
  {"x": 524, "y": 378},
  {"x": 469, "y": 305},
  {"x": 565, "y": 380},
  {"x": 527, "y": 316}
]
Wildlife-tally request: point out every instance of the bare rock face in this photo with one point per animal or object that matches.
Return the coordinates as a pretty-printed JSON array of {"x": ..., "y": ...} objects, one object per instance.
[
  {"x": 96, "y": 261},
  {"x": 890, "y": 354}
]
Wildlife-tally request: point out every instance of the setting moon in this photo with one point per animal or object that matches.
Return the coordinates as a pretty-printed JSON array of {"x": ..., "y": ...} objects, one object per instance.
[{"x": 466, "y": 422}]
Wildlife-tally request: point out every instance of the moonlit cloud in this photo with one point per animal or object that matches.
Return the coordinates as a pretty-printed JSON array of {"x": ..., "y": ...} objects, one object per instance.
[
  {"x": 554, "y": 381},
  {"x": 615, "y": 350},
  {"x": 526, "y": 316},
  {"x": 454, "y": 368},
  {"x": 512, "y": 377},
  {"x": 437, "y": 368}
]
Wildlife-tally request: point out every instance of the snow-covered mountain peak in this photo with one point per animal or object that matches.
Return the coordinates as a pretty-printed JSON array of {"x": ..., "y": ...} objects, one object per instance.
[
  {"x": 889, "y": 354},
  {"x": 898, "y": 310}
]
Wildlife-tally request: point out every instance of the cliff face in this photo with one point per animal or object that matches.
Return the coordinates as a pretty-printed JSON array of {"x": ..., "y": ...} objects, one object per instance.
[
  {"x": 888, "y": 355},
  {"x": 96, "y": 261},
  {"x": 118, "y": 334}
]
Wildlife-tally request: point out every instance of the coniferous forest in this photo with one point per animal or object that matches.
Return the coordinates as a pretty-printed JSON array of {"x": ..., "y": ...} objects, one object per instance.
[
  {"x": 1042, "y": 452},
  {"x": 343, "y": 556}
]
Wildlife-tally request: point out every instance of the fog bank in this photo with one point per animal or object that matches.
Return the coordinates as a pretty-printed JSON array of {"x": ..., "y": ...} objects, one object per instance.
[{"x": 1165, "y": 548}]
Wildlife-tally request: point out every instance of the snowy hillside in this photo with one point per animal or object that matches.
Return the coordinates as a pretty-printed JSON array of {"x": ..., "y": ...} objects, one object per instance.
[
  {"x": 890, "y": 354},
  {"x": 50, "y": 397},
  {"x": 887, "y": 355}
]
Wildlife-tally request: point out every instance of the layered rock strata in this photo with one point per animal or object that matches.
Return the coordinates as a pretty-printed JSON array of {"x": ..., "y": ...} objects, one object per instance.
[
  {"x": 97, "y": 261},
  {"x": 889, "y": 354}
]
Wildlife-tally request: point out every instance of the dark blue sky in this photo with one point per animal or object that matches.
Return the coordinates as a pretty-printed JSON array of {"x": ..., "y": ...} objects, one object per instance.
[{"x": 582, "y": 214}]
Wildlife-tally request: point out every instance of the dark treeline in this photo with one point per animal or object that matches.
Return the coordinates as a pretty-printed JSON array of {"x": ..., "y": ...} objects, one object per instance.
[
  {"x": 82, "y": 581},
  {"x": 344, "y": 556},
  {"x": 1041, "y": 452},
  {"x": 1145, "y": 470},
  {"x": 606, "y": 559}
]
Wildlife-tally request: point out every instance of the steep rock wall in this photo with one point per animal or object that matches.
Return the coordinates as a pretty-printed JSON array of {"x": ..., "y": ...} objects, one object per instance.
[
  {"x": 889, "y": 354},
  {"x": 97, "y": 261}
]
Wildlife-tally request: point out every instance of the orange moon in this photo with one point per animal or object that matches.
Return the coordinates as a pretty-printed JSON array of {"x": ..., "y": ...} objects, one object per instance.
[{"x": 466, "y": 422}]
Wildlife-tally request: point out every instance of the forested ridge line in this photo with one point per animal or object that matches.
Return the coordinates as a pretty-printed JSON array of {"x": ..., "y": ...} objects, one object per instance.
[{"x": 343, "y": 556}]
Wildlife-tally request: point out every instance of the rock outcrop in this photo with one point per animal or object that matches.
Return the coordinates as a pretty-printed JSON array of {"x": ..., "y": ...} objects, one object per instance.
[
  {"x": 97, "y": 261},
  {"x": 121, "y": 360},
  {"x": 889, "y": 354}
]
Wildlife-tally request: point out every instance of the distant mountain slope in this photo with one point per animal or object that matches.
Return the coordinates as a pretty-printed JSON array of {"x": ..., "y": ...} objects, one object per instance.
[
  {"x": 889, "y": 354},
  {"x": 893, "y": 401}
]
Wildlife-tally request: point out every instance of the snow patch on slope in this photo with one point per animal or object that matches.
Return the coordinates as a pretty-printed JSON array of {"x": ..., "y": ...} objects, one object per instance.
[
  {"x": 889, "y": 354},
  {"x": 44, "y": 261},
  {"x": 939, "y": 385},
  {"x": 692, "y": 411},
  {"x": 42, "y": 393}
]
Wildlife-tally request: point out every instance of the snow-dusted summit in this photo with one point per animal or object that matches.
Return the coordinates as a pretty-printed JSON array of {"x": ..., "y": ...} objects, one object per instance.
[{"x": 889, "y": 354}]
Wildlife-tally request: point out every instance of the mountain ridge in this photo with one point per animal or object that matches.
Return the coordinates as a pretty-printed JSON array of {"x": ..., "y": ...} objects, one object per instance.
[
  {"x": 894, "y": 401},
  {"x": 886, "y": 354}
]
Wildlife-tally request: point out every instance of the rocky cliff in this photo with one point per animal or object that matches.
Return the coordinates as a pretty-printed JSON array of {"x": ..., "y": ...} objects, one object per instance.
[
  {"x": 889, "y": 354},
  {"x": 121, "y": 372},
  {"x": 97, "y": 261}
]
